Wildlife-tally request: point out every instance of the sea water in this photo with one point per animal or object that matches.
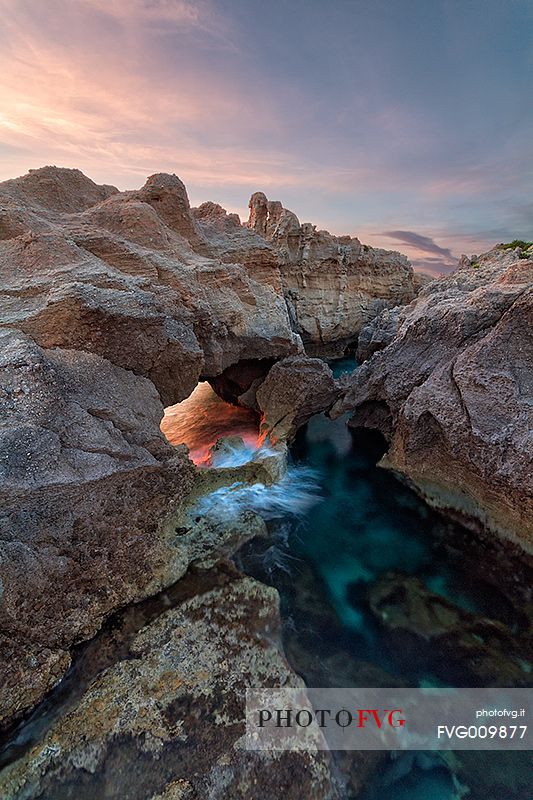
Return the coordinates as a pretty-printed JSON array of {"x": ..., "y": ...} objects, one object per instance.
[
  {"x": 337, "y": 524},
  {"x": 345, "y": 521}
]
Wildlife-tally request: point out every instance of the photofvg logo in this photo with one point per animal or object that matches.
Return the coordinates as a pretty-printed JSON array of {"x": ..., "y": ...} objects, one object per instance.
[
  {"x": 319, "y": 719},
  {"x": 386, "y": 719},
  {"x": 304, "y": 717}
]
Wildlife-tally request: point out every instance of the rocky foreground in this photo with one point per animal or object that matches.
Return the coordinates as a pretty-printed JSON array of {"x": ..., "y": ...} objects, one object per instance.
[{"x": 114, "y": 305}]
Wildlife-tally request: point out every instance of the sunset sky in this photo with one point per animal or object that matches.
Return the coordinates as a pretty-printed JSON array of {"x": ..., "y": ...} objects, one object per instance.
[{"x": 408, "y": 123}]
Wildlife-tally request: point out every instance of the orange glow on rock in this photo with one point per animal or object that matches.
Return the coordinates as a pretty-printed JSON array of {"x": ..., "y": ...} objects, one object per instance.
[
  {"x": 265, "y": 436},
  {"x": 203, "y": 418}
]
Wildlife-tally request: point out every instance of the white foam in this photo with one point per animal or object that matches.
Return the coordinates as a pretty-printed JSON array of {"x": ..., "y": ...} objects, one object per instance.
[{"x": 293, "y": 495}]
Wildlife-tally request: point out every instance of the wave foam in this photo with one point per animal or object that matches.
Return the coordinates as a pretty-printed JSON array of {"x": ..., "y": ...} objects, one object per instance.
[{"x": 294, "y": 494}]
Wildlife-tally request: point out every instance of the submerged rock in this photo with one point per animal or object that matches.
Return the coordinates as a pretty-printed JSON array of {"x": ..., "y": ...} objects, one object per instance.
[
  {"x": 453, "y": 391},
  {"x": 456, "y": 642},
  {"x": 488, "y": 774}
]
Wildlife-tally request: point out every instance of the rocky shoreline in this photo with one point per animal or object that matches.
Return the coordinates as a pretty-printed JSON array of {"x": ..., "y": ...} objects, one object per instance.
[
  {"x": 115, "y": 305},
  {"x": 449, "y": 381}
]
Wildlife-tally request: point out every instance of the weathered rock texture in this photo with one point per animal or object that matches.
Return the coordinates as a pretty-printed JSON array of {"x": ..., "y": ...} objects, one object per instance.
[
  {"x": 167, "y": 719},
  {"x": 113, "y": 305},
  {"x": 332, "y": 284},
  {"x": 453, "y": 392},
  {"x": 83, "y": 483},
  {"x": 294, "y": 390},
  {"x": 379, "y": 332},
  {"x": 133, "y": 279},
  {"x": 93, "y": 507}
]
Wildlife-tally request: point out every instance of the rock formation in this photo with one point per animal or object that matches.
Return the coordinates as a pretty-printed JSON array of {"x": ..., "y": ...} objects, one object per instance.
[
  {"x": 129, "y": 280},
  {"x": 94, "y": 507},
  {"x": 114, "y": 304},
  {"x": 166, "y": 718},
  {"x": 453, "y": 392},
  {"x": 111, "y": 303},
  {"x": 233, "y": 243},
  {"x": 294, "y": 390},
  {"x": 332, "y": 284},
  {"x": 379, "y": 332}
]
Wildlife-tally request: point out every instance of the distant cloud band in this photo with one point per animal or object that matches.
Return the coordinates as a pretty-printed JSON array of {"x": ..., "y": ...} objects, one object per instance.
[{"x": 423, "y": 243}]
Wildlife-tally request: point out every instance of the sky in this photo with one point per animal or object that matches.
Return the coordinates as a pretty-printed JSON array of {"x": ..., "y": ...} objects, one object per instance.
[{"x": 407, "y": 123}]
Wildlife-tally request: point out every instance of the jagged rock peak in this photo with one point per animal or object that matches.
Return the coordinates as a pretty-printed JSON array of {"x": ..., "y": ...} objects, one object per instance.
[
  {"x": 168, "y": 197},
  {"x": 269, "y": 219}
]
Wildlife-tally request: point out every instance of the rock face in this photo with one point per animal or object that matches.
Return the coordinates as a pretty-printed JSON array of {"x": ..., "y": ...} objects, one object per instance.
[
  {"x": 232, "y": 243},
  {"x": 84, "y": 480},
  {"x": 333, "y": 285},
  {"x": 379, "y": 332},
  {"x": 71, "y": 416},
  {"x": 453, "y": 392},
  {"x": 167, "y": 719},
  {"x": 114, "y": 304},
  {"x": 30, "y": 203},
  {"x": 294, "y": 390}
]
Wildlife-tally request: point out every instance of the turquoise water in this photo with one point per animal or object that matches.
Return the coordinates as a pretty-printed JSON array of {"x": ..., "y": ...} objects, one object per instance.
[
  {"x": 363, "y": 524},
  {"x": 369, "y": 517},
  {"x": 343, "y": 366}
]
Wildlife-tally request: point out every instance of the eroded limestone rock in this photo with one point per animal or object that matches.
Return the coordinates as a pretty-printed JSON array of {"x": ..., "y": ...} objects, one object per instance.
[
  {"x": 379, "y": 332},
  {"x": 113, "y": 304},
  {"x": 167, "y": 719},
  {"x": 294, "y": 390},
  {"x": 453, "y": 392},
  {"x": 332, "y": 284},
  {"x": 96, "y": 506},
  {"x": 132, "y": 277}
]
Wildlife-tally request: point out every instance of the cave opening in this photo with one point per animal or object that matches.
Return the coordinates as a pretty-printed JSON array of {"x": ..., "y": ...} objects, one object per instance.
[
  {"x": 203, "y": 418},
  {"x": 220, "y": 406}
]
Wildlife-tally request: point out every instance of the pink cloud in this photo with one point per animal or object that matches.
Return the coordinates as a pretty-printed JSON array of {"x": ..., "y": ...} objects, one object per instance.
[
  {"x": 103, "y": 99},
  {"x": 89, "y": 84},
  {"x": 125, "y": 88}
]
